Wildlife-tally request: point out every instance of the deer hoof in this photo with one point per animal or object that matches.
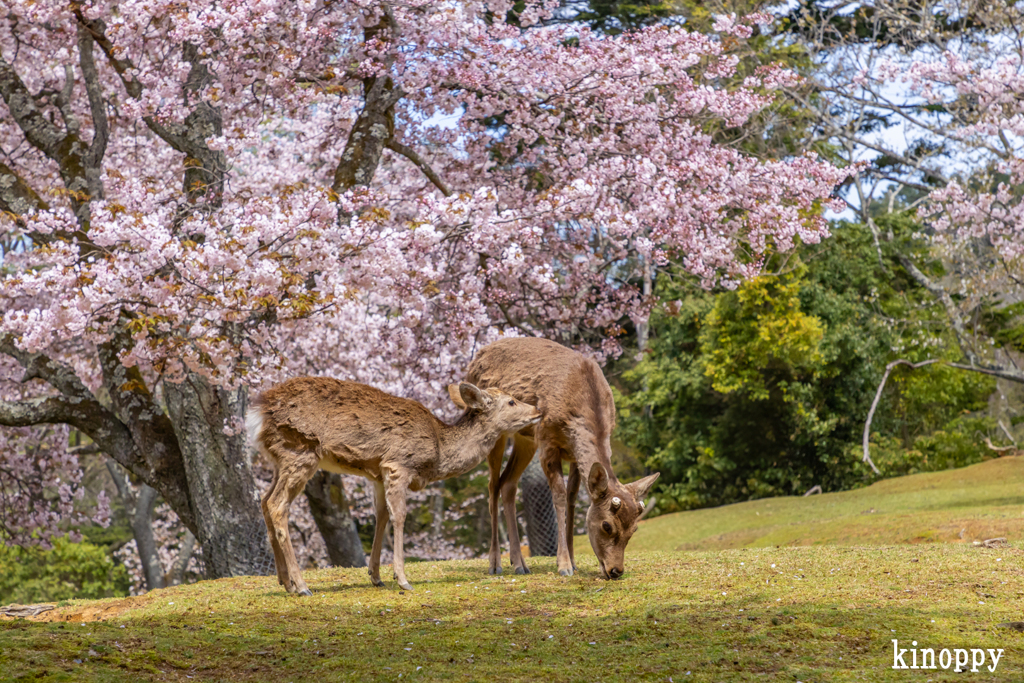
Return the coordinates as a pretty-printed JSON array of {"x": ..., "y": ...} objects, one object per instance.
[
  {"x": 565, "y": 572},
  {"x": 522, "y": 570},
  {"x": 494, "y": 570},
  {"x": 405, "y": 585},
  {"x": 305, "y": 591}
]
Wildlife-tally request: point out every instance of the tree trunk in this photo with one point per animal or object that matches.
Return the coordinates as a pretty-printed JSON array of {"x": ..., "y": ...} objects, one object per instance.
[
  {"x": 142, "y": 528},
  {"x": 188, "y": 545},
  {"x": 231, "y": 529},
  {"x": 140, "y": 509},
  {"x": 326, "y": 495}
]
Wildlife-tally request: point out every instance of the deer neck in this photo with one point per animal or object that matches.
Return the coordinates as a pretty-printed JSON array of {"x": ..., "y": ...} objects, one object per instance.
[
  {"x": 588, "y": 448},
  {"x": 464, "y": 445}
]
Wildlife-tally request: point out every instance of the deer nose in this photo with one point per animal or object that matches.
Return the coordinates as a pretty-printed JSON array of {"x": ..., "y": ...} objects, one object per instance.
[{"x": 614, "y": 572}]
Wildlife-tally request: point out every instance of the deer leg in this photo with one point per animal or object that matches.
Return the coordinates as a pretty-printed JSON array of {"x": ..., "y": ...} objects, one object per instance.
[
  {"x": 291, "y": 480},
  {"x": 494, "y": 469},
  {"x": 395, "y": 487},
  {"x": 279, "y": 561},
  {"x": 381, "y": 518},
  {"x": 572, "y": 490},
  {"x": 551, "y": 462},
  {"x": 522, "y": 453}
]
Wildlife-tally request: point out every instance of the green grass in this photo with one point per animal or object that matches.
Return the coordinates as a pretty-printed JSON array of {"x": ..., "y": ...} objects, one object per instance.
[
  {"x": 820, "y": 614},
  {"x": 790, "y": 613},
  {"x": 980, "y": 502}
]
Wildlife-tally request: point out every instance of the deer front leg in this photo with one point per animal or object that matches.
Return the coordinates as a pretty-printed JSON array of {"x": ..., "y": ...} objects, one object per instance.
[
  {"x": 380, "y": 525},
  {"x": 522, "y": 454},
  {"x": 494, "y": 470},
  {"x": 395, "y": 486},
  {"x": 551, "y": 461},
  {"x": 572, "y": 490}
]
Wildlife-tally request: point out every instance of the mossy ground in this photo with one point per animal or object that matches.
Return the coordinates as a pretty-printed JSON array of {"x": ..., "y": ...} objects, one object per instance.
[{"x": 821, "y": 613}]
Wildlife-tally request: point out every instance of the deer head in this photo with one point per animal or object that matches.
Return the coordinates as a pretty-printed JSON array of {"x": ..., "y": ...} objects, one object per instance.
[
  {"x": 613, "y": 515},
  {"x": 493, "y": 406}
]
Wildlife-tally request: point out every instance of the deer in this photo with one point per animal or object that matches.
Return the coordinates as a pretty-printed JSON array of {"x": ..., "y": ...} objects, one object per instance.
[
  {"x": 578, "y": 412},
  {"x": 310, "y": 423}
]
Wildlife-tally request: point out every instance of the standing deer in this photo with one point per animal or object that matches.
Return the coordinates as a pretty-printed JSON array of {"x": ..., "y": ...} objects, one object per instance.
[
  {"x": 309, "y": 423},
  {"x": 578, "y": 418}
]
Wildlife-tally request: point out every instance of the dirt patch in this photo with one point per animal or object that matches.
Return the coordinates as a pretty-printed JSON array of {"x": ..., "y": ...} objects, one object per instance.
[{"x": 91, "y": 611}]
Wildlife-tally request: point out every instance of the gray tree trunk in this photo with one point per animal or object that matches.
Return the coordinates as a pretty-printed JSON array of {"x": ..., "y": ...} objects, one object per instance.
[
  {"x": 230, "y": 525},
  {"x": 140, "y": 509},
  {"x": 142, "y": 528},
  {"x": 326, "y": 495}
]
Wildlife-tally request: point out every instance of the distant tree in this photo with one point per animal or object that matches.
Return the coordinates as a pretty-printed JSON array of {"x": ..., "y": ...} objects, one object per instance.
[
  {"x": 930, "y": 97},
  {"x": 763, "y": 391}
]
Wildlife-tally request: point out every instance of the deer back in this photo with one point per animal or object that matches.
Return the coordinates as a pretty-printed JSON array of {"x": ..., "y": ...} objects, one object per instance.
[
  {"x": 566, "y": 386},
  {"x": 354, "y": 424}
]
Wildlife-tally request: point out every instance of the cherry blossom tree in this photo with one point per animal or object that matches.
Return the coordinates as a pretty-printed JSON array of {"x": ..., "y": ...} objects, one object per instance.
[
  {"x": 928, "y": 95},
  {"x": 202, "y": 198}
]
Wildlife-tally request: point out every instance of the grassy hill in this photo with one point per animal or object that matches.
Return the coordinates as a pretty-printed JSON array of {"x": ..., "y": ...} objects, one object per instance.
[
  {"x": 790, "y": 613},
  {"x": 973, "y": 503}
]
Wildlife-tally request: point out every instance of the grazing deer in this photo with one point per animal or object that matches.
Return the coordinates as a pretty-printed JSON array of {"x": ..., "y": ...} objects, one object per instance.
[
  {"x": 578, "y": 418},
  {"x": 309, "y": 423}
]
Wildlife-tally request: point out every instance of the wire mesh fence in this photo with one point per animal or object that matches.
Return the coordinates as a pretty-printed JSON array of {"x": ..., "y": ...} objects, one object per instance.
[{"x": 541, "y": 525}]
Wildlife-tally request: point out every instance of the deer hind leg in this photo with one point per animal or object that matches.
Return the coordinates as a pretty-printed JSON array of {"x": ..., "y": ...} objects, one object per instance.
[
  {"x": 291, "y": 479},
  {"x": 381, "y": 518},
  {"x": 572, "y": 490},
  {"x": 279, "y": 562},
  {"x": 551, "y": 462},
  {"x": 494, "y": 468},
  {"x": 522, "y": 453},
  {"x": 395, "y": 486}
]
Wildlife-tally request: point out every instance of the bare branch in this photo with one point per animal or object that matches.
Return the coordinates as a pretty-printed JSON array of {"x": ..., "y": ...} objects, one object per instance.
[
  {"x": 98, "y": 108},
  {"x": 420, "y": 163},
  {"x": 996, "y": 371},
  {"x": 878, "y": 396}
]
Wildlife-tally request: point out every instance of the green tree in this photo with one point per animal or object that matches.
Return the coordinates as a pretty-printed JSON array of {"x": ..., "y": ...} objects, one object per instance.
[
  {"x": 68, "y": 570},
  {"x": 764, "y": 391}
]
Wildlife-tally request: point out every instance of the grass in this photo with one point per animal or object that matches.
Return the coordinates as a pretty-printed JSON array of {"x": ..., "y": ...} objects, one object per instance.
[
  {"x": 791, "y": 613},
  {"x": 973, "y": 503}
]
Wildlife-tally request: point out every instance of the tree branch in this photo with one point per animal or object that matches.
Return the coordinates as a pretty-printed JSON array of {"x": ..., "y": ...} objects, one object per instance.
[
  {"x": 420, "y": 163},
  {"x": 16, "y": 196},
  {"x": 878, "y": 396},
  {"x": 148, "y": 458},
  {"x": 66, "y": 149}
]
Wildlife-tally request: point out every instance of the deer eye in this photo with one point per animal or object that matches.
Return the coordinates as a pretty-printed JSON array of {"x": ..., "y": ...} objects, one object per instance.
[
  {"x": 512, "y": 402},
  {"x": 607, "y": 527}
]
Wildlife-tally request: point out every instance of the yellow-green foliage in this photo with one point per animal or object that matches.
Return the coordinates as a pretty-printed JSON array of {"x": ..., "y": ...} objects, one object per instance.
[
  {"x": 760, "y": 326},
  {"x": 68, "y": 570}
]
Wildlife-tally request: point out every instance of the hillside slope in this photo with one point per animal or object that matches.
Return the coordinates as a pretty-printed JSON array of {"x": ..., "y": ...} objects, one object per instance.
[{"x": 973, "y": 503}]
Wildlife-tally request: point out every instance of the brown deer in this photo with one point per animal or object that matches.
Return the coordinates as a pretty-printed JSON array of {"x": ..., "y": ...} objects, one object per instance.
[
  {"x": 309, "y": 423},
  {"x": 578, "y": 418}
]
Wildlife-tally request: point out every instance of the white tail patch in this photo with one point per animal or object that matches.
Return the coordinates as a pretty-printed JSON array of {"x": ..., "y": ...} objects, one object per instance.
[{"x": 253, "y": 427}]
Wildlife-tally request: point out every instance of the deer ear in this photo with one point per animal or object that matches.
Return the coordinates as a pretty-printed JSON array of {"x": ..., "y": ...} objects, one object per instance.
[
  {"x": 597, "y": 481},
  {"x": 640, "y": 487},
  {"x": 472, "y": 397},
  {"x": 453, "y": 392}
]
